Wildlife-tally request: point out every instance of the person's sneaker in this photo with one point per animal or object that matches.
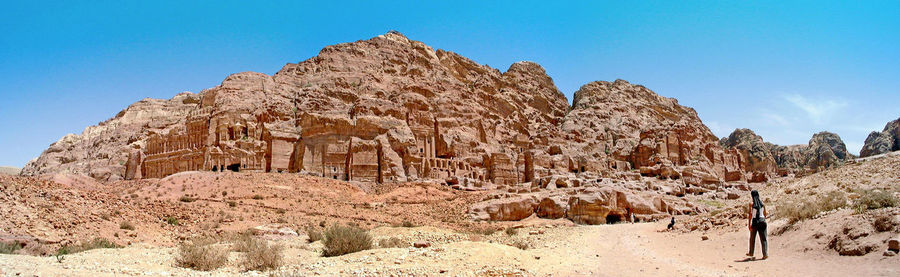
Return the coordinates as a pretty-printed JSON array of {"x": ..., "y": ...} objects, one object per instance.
[
  {"x": 749, "y": 255},
  {"x": 764, "y": 257}
]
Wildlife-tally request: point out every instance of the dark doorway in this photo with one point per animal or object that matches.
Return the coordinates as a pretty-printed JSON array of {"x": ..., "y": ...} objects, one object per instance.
[
  {"x": 215, "y": 168},
  {"x": 613, "y": 218},
  {"x": 234, "y": 167}
]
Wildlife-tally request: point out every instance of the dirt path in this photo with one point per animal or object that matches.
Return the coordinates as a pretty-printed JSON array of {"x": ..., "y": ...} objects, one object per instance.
[
  {"x": 604, "y": 250},
  {"x": 640, "y": 250}
]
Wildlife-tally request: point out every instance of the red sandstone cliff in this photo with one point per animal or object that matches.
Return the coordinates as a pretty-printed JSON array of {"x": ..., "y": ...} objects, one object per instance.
[{"x": 392, "y": 109}]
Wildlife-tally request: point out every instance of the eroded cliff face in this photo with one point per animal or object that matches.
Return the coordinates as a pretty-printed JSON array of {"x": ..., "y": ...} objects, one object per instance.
[
  {"x": 619, "y": 126},
  {"x": 383, "y": 109},
  {"x": 887, "y": 140},
  {"x": 390, "y": 109},
  {"x": 766, "y": 160}
]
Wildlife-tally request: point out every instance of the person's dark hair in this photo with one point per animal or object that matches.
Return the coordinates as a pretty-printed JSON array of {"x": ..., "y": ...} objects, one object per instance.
[{"x": 757, "y": 204}]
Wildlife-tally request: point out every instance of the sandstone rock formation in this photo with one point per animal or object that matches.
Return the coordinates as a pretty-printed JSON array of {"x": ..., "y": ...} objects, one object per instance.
[
  {"x": 380, "y": 110},
  {"x": 616, "y": 126},
  {"x": 765, "y": 160},
  {"x": 887, "y": 140},
  {"x": 390, "y": 109},
  {"x": 756, "y": 154}
]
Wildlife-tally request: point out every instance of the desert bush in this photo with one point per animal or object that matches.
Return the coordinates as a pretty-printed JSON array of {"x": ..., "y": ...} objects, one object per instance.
[
  {"x": 520, "y": 244},
  {"x": 96, "y": 243},
  {"x": 9, "y": 248},
  {"x": 243, "y": 242},
  {"x": 511, "y": 231},
  {"x": 340, "y": 240},
  {"x": 314, "y": 235},
  {"x": 201, "y": 254},
  {"x": 261, "y": 255},
  {"x": 392, "y": 243},
  {"x": 232, "y": 204},
  {"x": 875, "y": 199},
  {"x": 833, "y": 200},
  {"x": 125, "y": 225},
  {"x": 795, "y": 211},
  {"x": 407, "y": 224},
  {"x": 257, "y": 197},
  {"x": 884, "y": 223},
  {"x": 186, "y": 199},
  {"x": 171, "y": 220}
]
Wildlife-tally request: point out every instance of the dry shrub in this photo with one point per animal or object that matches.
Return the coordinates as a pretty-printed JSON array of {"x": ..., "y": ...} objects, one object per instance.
[
  {"x": 314, "y": 235},
  {"x": 262, "y": 255},
  {"x": 520, "y": 244},
  {"x": 96, "y": 243},
  {"x": 9, "y": 248},
  {"x": 407, "y": 224},
  {"x": 243, "y": 243},
  {"x": 201, "y": 254},
  {"x": 511, "y": 231},
  {"x": 875, "y": 199},
  {"x": 802, "y": 209},
  {"x": 392, "y": 243},
  {"x": 884, "y": 223},
  {"x": 125, "y": 225},
  {"x": 340, "y": 240}
]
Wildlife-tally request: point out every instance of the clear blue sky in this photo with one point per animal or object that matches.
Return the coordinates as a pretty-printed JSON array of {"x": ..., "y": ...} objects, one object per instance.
[{"x": 785, "y": 70}]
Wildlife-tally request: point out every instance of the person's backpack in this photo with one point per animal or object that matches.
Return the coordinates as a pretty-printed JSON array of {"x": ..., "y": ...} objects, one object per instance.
[{"x": 756, "y": 218}]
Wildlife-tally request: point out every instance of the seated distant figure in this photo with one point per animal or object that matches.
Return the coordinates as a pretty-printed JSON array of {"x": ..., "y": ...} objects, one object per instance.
[
  {"x": 757, "y": 225},
  {"x": 671, "y": 224}
]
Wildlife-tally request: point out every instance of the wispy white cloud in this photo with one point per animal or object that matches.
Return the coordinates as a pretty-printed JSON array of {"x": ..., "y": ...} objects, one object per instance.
[
  {"x": 818, "y": 110},
  {"x": 775, "y": 118}
]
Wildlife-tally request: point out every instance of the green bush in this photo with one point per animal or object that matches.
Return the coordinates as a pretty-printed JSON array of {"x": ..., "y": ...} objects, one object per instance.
[
  {"x": 171, "y": 220},
  {"x": 340, "y": 240}
]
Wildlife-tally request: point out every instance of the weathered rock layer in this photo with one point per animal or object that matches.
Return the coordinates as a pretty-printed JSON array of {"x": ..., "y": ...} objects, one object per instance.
[
  {"x": 887, "y": 140},
  {"x": 390, "y": 109}
]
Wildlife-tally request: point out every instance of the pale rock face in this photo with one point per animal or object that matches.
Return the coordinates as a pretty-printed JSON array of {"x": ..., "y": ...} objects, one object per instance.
[{"x": 887, "y": 140}]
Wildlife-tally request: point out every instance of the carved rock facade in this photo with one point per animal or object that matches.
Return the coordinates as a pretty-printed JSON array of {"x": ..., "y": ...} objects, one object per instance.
[{"x": 390, "y": 109}]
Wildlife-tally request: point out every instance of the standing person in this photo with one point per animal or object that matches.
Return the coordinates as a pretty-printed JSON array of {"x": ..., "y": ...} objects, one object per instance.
[{"x": 757, "y": 225}]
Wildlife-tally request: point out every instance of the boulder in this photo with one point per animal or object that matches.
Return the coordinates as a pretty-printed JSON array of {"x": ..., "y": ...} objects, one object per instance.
[
  {"x": 506, "y": 209},
  {"x": 552, "y": 207}
]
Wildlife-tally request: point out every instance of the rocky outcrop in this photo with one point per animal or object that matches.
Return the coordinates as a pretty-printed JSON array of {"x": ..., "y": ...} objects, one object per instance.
[
  {"x": 617, "y": 125},
  {"x": 825, "y": 150},
  {"x": 765, "y": 160},
  {"x": 756, "y": 156},
  {"x": 887, "y": 140},
  {"x": 390, "y": 109},
  {"x": 385, "y": 109}
]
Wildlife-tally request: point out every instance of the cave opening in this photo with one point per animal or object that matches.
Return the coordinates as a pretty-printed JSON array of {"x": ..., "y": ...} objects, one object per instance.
[
  {"x": 234, "y": 167},
  {"x": 215, "y": 168},
  {"x": 613, "y": 218}
]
